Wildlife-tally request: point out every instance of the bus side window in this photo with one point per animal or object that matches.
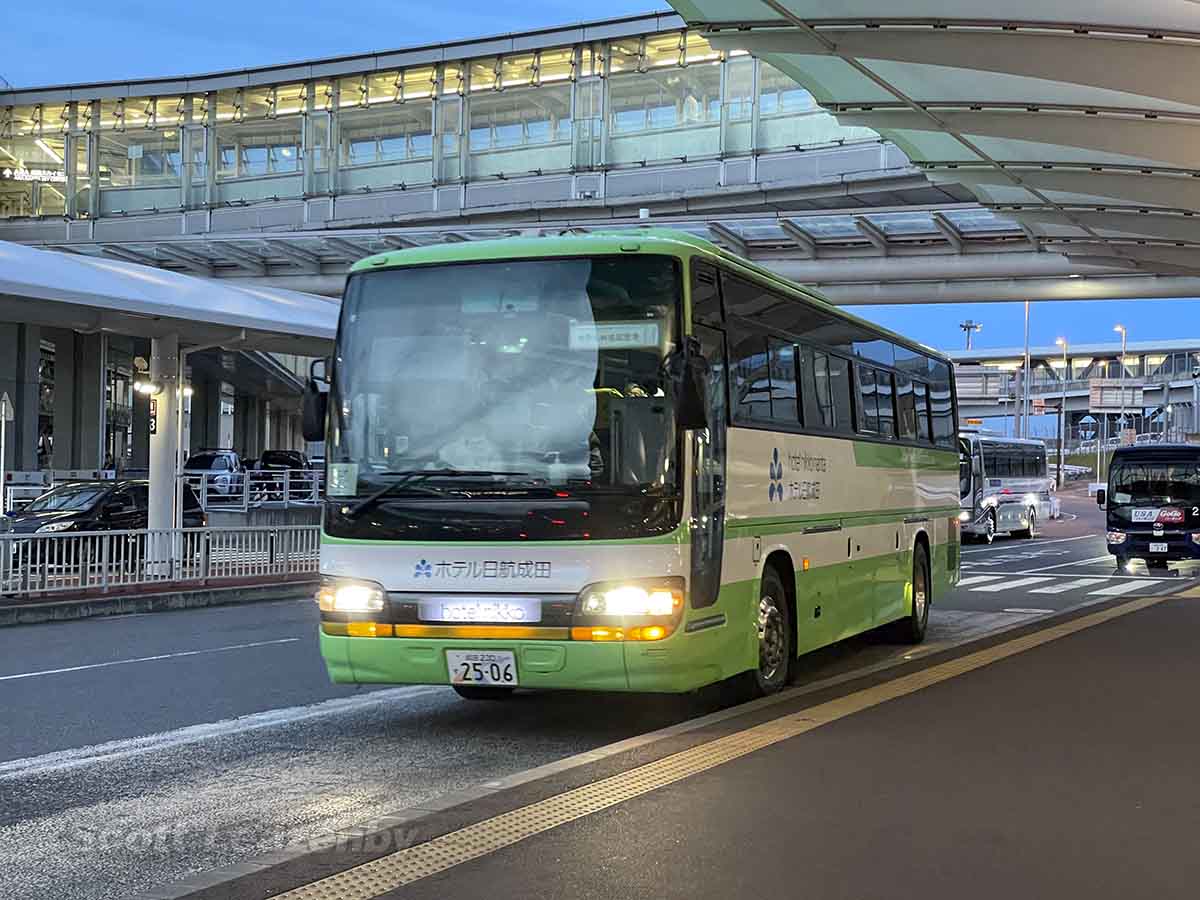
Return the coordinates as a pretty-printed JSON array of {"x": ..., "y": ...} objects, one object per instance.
[{"x": 706, "y": 295}]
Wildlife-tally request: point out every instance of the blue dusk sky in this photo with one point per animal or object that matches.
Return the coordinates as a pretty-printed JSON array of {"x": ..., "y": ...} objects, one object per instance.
[{"x": 126, "y": 39}]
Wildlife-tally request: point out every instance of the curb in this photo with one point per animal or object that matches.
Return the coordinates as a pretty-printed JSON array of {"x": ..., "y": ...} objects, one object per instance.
[{"x": 86, "y": 608}]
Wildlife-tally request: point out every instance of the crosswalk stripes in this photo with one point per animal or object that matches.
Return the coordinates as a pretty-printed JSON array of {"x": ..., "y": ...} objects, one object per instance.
[
  {"x": 1009, "y": 585},
  {"x": 977, "y": 579},
  {"x": 1116, "y": 590},
  {"x": 1063, "y": 586}
]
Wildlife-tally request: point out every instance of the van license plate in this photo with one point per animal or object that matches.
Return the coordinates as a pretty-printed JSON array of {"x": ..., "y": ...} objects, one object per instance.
[
  {"x": 1158, "y": 548},
  {"x": 489, "y": 667}
]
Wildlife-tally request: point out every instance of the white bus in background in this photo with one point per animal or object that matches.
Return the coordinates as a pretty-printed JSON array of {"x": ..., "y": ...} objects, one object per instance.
[{"x": 1004, "y": 486}]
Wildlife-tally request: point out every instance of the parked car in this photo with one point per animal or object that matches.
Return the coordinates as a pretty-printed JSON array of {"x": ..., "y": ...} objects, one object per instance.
[
  {"x": 96, "y": 506},
  {"x": 281, "y": 461},
  {"x": 223, "y": 467}
]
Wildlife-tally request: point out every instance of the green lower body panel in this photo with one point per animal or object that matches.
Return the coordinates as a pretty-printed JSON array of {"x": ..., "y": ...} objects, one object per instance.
[{"x": 673, "y": 665}]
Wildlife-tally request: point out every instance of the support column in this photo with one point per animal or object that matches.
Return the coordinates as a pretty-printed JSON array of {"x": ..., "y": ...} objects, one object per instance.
[
  {"x": 19, "y": 351},
  {"x": 64, "y": 397},
  {"x": 164, "y": 446},
  {"x": 89, "y": 394},
  {"x": 140, "y": 448}
]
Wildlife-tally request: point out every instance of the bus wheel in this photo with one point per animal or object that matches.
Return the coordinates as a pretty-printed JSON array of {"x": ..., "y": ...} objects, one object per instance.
[
  {"x": 911, "y": 629},
  {"x": 775, "y": 648},
  {"x": 989, "y": 527},
  {"x": 1031, "y": 531},
  {"x": 478, "y": 692}
]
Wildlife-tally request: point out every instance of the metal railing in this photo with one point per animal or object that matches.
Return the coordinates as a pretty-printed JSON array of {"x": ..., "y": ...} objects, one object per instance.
[
  {"x": 106, "y": 560},
  {"x": 241, "y": 491}
]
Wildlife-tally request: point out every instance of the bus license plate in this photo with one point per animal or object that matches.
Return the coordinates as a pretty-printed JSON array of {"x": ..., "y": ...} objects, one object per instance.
[
  {"x": 1158, "y": 548},
  {"x": 488, "y": 667}
]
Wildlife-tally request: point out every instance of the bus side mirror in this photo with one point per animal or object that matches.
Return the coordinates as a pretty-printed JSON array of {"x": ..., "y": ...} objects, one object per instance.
[
  {"x": 318, "y": 370},
  {"x": 312, "y": 414},
  {"x": 1101, "y": 497},
  {"x": 686, "y": 370}
]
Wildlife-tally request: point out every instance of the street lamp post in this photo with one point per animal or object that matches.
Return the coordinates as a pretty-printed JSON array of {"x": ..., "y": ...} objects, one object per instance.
[
  {"x": 970, "y": 327},
  {"x": 1121, "y": 420},
  {"x": 1062, "y": 410}
]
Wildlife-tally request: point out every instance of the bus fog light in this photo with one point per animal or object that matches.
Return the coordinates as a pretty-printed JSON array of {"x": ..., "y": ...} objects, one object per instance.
[
  {"x": 336, "y": 595},
  {"x": 1116, "y": 537}
]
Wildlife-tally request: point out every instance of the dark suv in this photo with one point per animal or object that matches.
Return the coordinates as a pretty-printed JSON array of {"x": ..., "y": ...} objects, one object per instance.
[{"x": 96, "y": 506}]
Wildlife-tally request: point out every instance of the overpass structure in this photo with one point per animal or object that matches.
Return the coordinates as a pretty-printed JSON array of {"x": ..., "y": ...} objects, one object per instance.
[
  {"x": 1159, "y": 384},
  {"x": 1075, "y": 120},
  {"x": 284, "y": 175}
]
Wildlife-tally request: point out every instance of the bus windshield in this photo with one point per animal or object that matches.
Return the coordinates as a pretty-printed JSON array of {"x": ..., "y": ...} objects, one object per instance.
[
  {"x": 1158, "y": 481},
  {"x": 496, "y": 380}
]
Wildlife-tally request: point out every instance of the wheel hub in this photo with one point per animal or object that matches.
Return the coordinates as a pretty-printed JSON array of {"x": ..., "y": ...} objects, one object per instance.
[{"x": 771, "y": 639}]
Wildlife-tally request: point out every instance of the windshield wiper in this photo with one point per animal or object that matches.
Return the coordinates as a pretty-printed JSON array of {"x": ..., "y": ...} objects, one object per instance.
[{"x": 411, "y": 479}]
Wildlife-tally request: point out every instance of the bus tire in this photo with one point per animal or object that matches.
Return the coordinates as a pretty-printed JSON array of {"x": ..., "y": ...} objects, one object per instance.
[
  {"x": 776, "y": 637},
  {"x": 1031, "y": 531},
  {"x": 911, "y": 629},
  {"x": 480, "y": 692}
]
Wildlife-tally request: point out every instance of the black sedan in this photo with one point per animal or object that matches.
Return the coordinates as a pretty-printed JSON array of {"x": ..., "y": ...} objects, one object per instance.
[{"x": 96, "y": 506}]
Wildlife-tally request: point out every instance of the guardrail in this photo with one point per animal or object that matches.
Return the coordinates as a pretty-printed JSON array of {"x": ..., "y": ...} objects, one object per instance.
[
  {"x": 241, "y": 491},
  {"x": 33, "y": 564}
]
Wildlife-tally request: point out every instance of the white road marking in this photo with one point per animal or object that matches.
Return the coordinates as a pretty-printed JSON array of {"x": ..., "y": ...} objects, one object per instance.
[
  {"x": 977, "y": 579},
  {"x": 193, "y": 734},
  {"x": 1062, "y": 586},
  {"x": 1116, "y": 590},
  {"x": 125, "y": 662},
  {"x": 1028, "y": 611},
  {"x": 1077, "y": 562},
  {"x": 1007, "y": 585},
  {"x": 1040, "y": 543}
]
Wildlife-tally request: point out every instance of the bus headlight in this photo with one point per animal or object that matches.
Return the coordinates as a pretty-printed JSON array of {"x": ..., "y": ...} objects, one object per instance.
[
  {"x": 964, "y": 516},
  {"x": 345, "y": 595},
  {"x": 640, "y": 610},
  {"x": 1116, "y": 537}
]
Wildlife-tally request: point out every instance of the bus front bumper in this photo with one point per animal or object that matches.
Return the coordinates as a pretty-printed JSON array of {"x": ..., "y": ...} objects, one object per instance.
[
  {"x": 666, "y": 666},
  {"x": 1179, "y": 547}
]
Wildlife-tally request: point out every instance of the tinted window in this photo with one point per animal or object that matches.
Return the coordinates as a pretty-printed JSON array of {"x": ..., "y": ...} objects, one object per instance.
[
  {"x": 839, "y": 383},
  {"x": 750, "y": 300},
  {"x": 906, "y": 408},
  {"x": 887, "y": 411},
  {"x": 750, "y": 377},
  {"x": 783, "y": 383},
  {"x": 141, "y": 495},
  {"x": 876, "y": 350},
  {"x": 868, "y": 405},
  {"x": 941, "y": 405},
  {"x": 817, "y": 393},
  {"x": 706, "y": 295},
  {"x": 921, "y": 401}
]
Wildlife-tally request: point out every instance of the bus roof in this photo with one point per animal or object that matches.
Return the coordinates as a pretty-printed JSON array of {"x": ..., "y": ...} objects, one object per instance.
[{"x": 643, "y": 240}]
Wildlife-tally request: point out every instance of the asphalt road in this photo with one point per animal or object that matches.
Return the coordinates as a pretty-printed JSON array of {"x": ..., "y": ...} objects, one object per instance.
[{"x": 138, "y": 750}]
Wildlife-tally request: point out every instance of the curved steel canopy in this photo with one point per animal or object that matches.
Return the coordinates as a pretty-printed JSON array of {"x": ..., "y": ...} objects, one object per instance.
[{"x": 1078, "y": 119}]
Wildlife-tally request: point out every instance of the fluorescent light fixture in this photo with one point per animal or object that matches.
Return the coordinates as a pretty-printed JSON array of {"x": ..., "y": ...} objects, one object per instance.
[{"x": 49, "y": 151}]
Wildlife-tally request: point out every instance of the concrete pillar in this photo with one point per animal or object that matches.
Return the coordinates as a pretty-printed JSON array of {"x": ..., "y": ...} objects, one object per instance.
[
  {"x": 201, "y": 399},
  {"x": 89, "y": 394},
  {"x": 64, "y": 396},
  {"x": 20, "y": 348},
  {"x": 248, "y": 426},
  {"x": 164, "y": 441}
]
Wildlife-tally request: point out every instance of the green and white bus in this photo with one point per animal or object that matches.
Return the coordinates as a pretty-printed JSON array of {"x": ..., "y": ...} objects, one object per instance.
[{"x": 624, "y": 461}]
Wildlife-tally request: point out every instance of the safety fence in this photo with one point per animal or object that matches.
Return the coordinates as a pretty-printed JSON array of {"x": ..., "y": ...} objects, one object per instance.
[
  {"x": 34, "y": 564},
  {"x": 241, "y": 491}
]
